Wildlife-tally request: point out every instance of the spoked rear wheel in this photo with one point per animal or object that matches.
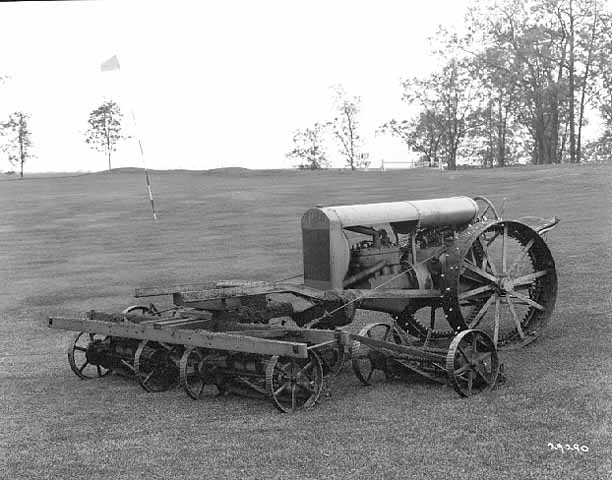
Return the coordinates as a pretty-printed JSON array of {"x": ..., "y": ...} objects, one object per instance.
[
  {"x": 294, "y": 383},
  {"x": 505, "y": 285}
]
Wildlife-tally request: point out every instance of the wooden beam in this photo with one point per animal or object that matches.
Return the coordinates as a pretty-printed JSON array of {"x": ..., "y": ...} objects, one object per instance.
[{"x": 198, "y": 338}]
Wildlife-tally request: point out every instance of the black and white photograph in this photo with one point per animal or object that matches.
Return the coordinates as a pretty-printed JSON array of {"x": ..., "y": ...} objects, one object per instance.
[{"x": 306, "y": 240}]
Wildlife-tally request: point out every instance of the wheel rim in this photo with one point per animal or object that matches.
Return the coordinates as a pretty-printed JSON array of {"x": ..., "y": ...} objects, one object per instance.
[
  {"x": 472, "y": 363},
  {"x": 370, "y": 365},
  {"x": 78, "y": 359},
  {"x": 508, "y": 290},
  {"x": 191, "y": 377},
  {"x": 294, "y": 383},
  {"x": 155, "y": 366}
]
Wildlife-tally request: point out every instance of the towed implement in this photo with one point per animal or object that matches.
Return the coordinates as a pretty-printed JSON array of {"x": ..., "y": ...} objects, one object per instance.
[{"x": 458, "y": 281}]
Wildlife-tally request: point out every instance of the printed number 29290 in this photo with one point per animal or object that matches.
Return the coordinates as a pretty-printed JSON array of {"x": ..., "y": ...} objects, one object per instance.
[{"x": 568, "y": 448}]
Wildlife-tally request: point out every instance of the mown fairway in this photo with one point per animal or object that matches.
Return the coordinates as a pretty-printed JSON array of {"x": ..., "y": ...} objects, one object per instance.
[{"x": 80, "y": 243}]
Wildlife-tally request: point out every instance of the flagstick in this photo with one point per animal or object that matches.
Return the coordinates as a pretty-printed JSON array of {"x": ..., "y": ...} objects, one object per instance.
[
  {"x": 113, "y": 64},
  {"x": 146, "y": 172}
]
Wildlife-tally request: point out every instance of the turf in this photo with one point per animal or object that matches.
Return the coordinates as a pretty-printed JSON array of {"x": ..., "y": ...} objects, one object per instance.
[{"x": 77, "y": 243}]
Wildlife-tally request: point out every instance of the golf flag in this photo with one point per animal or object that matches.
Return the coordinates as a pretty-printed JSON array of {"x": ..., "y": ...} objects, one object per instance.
[{"x": 111, "y": 64}]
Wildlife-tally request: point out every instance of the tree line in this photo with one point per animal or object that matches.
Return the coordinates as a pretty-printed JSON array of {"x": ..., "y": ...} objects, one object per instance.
[
  {"x": 103, "y": 134},
  {"x": 520, "y": 82}
]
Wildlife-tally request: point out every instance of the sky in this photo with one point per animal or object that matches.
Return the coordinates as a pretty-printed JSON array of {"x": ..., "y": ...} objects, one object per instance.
[{"x": 210, "y": 84}]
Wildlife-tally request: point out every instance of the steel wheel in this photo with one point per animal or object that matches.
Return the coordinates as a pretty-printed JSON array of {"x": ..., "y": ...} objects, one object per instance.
[
  {"x": 139, "y": 310},
  {"x": 368, "y": 363},
  {"x": 156, "y": 366},
  {"x": 191, "y": 372},
  {"x": 80, "y": 356},
  {"x": 500, "y": 278},
  {"x": 472, "y": 363},
  {"x": 294, "y": 383},
  {"x": 332, "y": 359}
]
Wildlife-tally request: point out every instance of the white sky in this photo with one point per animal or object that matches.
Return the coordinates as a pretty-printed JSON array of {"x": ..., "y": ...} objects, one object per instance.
[{"x": 212, "y": 84}]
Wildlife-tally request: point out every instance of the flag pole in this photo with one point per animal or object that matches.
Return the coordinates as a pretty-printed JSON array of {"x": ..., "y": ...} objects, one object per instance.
[
  {"x": 113, "y": 64},
  {"x": 144, "y": 163}
]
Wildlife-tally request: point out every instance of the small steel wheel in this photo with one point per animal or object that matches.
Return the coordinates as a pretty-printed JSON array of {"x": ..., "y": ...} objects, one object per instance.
[
  {"x": 294, "y": 383},
  {"x": 156, "y": 366},
  {"x": 472, "y": 363},
  {"x": 192, "y": 372},
  {"x": 332, "y": 359},
  {"x": 81, "y": 359},
  {"x": 139, "y": 310},
  {"x": 369, "y": 363}
]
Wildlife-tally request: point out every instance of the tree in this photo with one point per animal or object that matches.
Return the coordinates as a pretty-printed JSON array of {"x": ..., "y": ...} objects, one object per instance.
[
  {"x": 105, "y": 128},
  {"x": 345, "y": 127},
  {"x": 450, "y": 99},
  {"x": 308, "y": 148},
  {"x": 541, "y": 55},
  {"x": 421, "y": 135},
  {"x": 19, "y": 140}
]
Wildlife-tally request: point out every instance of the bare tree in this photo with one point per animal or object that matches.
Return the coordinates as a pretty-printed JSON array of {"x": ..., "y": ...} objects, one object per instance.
[
  {"x": 345, "y": 127},
  {"x": 18, "y": 143},
  {"x": 105, "y": 128}
]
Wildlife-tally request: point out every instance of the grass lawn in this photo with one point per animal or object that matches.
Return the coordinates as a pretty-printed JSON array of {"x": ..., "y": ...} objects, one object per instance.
[{"x": 77, "y": 243}]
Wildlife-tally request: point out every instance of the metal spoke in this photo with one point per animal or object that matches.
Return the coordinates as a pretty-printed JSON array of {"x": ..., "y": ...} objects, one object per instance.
[
  {"x": 527, "y": 279},
  {"x": 371, "y": 372},
  {"x": 475, "y": 291},
  {"x": 480, "y": 374},
  {"x": 527, "y": 300},
  {"x": 479, "y": 271},
  {"x": 482, "y": 311},
  {"x": 517, "y": 321},
  {"x": 307, "y": 367},
  {"x": 486, "y": 260},
  {"x": 148, "y": 377},
  {"x": 293, "y": 402},
  {"x": 80, "y": 349},
  {"x": 99, "y": 370},
  {"x": 83, "y": 366},
  {"x": 281, "y": 389},
  {"x": 461, "y": 370},
  {"x": 387, "y": 333},
  {"x": 470, "y": 381},
  {"x": 464, "y": 354},
  {"x": 521, "y": 256},
  {"x": 492, "y": 239},
  {"x": 504, "y": 248},
  {"x": 496, "y": 322}
]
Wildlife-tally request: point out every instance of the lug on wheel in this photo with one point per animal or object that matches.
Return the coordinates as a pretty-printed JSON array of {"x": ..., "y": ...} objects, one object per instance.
[
  {"x": 294, "y": 383},
  {"x": 472, "y": 363},
  {"x": 503, "y": 282},
  {"x": 371, "y": 365},
  {"x": 156, "y": 365},
  {"x": 82, "y": 357}
]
